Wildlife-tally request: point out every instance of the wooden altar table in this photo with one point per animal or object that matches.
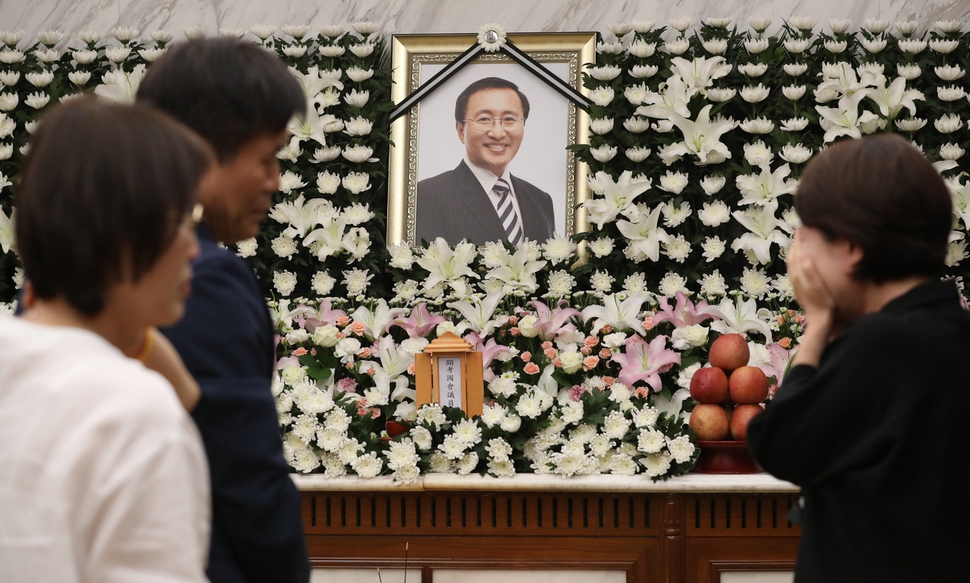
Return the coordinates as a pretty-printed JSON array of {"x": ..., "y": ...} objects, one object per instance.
[{"x": 695, "y": 528}]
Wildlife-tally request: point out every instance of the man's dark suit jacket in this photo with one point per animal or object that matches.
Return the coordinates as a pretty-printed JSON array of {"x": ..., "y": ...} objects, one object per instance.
[
  {"x": 226, "y": 341},
  {"x": 453, "y": 205}
]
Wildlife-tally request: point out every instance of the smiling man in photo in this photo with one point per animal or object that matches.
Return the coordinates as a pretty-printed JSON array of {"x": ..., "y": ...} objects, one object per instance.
[{"x": 480, "y": 200}]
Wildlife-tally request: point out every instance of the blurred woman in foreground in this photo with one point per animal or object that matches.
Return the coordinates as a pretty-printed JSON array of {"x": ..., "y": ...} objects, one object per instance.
[
  {"x": 869, "y": 418},
  {"x": 104, "y": 476}
]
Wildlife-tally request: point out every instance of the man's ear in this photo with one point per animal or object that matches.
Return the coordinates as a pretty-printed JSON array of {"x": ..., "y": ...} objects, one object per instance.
[{"x": 460, "y": 127}]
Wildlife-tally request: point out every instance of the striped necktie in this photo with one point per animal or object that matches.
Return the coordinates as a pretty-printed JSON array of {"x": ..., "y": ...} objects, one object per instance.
[{"x": 506, "y": 212}]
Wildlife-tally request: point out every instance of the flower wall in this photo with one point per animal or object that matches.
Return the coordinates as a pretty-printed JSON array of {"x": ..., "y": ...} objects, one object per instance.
[{"x": 699, "y": 136}]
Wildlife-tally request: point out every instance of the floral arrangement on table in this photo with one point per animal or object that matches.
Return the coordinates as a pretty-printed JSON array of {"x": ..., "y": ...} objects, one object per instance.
[{"x": 699, "y": 135}]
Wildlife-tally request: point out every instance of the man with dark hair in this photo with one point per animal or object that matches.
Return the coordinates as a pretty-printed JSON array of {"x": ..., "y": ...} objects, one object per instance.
[
  {"x": 239, "y": 98},
  {"x": 480, "y": 200}
]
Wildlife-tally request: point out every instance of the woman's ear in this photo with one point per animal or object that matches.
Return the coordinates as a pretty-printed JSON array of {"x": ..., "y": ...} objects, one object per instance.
[{"x": 853, "y": 254}]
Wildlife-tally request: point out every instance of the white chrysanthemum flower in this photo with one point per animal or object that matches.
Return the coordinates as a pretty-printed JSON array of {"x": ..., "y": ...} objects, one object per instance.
[
  {"x": 677, "y": 248},
  {"x": 601, "y": 126},
  {"x": 950, "y": 93},
  {"x": 713, "y": 248},
  {"x": 756, "y": 46},
  {"x": 367, "y": 466},
  {"x": 357, "y": 214},
  {"x": 359, "y": 75},
  {"x": 601, "y": 281},
  {"x": 873, "y": 46},
  {"x": 615, "y": 425},
  {"x": 622, "y": 465},
  {"x": 912, "y": 124},
  {"x": 951, "y": 151},
  {"x": 452, "y": 447},
  {"x": 322, "y": 283},
  {"x": 656, "y": 464},
  {"x": 650, "y": 441},
  {"x": 642, "y": 49},
  {"x": 753, "y": 70},
  {"x": 795, "y": 124},
  {"x": 330, "y": 439},
  {"x": 284, "y": 246},
  {"x": 290, "y": 181},
  {"x": 944, "y": 46},
  {"x": 356, "y": 182},
  {"x": 757, "y": 126},
  {"x": 572, "y": 412},
  {"x": 675, "y": 215},
  {"x": 511, "y": 423},
  {"x": 714, "y": 214},
  {"x": 757, "y": 153},
  {"x": 602, "y": 96},
  {"x": 947, "y": 124},
  {"x": 467, "y": 432},
  {"x": 358, "y": 153},
  {"x": 681, "y": 449},
  {"x": 246, "y": 247},
  {"x": 357, "y": 280},
  {"x": 721, "y": 94},
  {"x": 782, "y": 285},
  {"x": 602, "y": 246},
  {"x": 795, "y": 69},
  {"x": 797, "y": 154},
  {"x": 673, "y": 182},
  {"x": 603, "y": 153},
  {"x": 37, "y": 100},
  {"x": 755, "y": 283},
  {"x": 713, "y": 284},
  {"x": 796, "y": 46},
  {"x": 498, "y": 449},
  {"x": 636, "y": 124},
  {"x": 671, "y": 283},
  {"x": 284, "y": 282}
]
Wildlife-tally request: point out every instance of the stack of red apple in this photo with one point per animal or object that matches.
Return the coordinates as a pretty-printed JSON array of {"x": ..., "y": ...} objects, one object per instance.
[{"x": 729, "y": 392}]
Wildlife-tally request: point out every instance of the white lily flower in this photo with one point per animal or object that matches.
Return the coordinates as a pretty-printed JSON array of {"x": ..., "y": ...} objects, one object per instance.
[
  {"x": 701, "y": 137},
  {"x": 314, "y": 82},
  {"x": 621, "y": 314},
  {"x": 644, "y": 235},
  {"x": 302, "y": 215},
  {"x": 617, "y": 197},
  {"x": 377, "y": 320},
  {"x": 446, "y": 264},
  {"x": 6, "y": 224},
  {"x": 764, "y": 188},
  {"x": 394, "y": 360},
  {"x": 764, "y": 229},
  {"x": 121, "y": 86},
  {"x": 959, "y": 192},
  {"x": 672, "y": 99},
  {"x": 893, "y": 99},
  {"x": 699, "y": 73},
  {"x": 844, "y": 120},
  {"x": 519, "y": 273},
  {"x": 328, "y": 240},
  {"x": 309, "y": 127},
  {"x": 478, "y": 313},
  {"x": 388, "y": 388},
  {"x": 738, "y": 317}
]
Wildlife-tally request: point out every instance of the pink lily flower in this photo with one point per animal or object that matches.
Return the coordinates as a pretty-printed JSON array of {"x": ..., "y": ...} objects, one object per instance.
[
  {"x": 644, "y": 362},
  {"x": 685, "y": 313},
  {"x": 419, "y": 323},
  {"x": 778, "y": 364},
  {"x": 554, "y": 322},
  {"x": 490, "y": 351},
  {"x": 325, "y": 315}
]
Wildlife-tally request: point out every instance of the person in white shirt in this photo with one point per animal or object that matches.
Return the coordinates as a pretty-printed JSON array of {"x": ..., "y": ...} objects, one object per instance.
[{"x": 103, "y": 477}]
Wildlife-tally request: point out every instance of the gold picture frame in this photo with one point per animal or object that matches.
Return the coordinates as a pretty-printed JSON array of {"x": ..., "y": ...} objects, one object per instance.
[{"x": 416, "y": 58}]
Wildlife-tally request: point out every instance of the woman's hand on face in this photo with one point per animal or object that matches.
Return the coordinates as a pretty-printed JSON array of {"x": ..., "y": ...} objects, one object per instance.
[{"x": 810, "y": 289}]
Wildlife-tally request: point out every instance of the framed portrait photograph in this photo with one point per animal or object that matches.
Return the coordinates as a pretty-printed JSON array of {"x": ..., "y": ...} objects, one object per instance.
[{"x": 482, "y": 157}]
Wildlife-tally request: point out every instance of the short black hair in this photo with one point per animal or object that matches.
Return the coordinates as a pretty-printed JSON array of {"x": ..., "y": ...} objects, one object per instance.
[
  {"x": 461, "y": 105},
  {"x": 226, "y": 90},
  {"x": 882, "y": 194},
  {"x": 102, "y": 192}
]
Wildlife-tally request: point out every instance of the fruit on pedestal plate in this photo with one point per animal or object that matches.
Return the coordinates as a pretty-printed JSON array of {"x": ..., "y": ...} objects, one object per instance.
[
  {"x": 743, "y": 414},
  {"x": 710, "y": 422},
  {"x": 709, "y": 385},
  {"x": 729, "y": 351},
  {"x": 748, "y": 384}
]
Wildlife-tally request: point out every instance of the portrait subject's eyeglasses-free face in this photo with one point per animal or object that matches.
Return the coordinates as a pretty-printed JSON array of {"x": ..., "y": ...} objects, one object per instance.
[{"x": 486, "y": 122}]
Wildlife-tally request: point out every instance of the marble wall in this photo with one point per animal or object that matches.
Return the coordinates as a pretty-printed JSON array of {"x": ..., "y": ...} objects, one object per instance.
[{"x": 419, "y": 16}]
